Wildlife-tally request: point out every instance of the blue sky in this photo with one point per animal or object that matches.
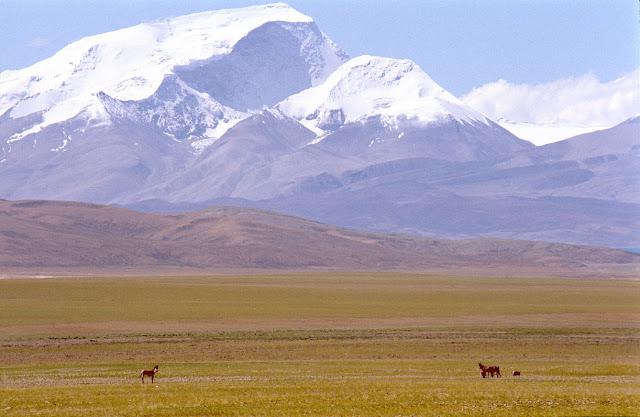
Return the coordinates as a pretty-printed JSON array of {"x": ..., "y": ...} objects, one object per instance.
[{"x": 462, "y": 44}]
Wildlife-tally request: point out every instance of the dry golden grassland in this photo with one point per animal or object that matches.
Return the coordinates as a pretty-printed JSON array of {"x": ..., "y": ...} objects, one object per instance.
[{"x": 319, "y": 344}]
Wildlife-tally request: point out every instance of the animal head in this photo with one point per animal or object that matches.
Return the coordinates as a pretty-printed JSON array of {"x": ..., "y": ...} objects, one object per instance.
[{"x": 155, "y": 368}]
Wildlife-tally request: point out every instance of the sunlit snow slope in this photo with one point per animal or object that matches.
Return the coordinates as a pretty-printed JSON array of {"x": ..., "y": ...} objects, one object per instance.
[
  {"x": 365, "y": 86},
  {"x": 130, "y": 64}
]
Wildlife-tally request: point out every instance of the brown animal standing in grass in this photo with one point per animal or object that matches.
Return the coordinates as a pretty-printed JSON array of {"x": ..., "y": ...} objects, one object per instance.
[
  {"x": 150, "y": 373},
  {"x": 489, "y": 370},
  {"x": 516, "y": 373},
  {"x": 483, "y": 370}
]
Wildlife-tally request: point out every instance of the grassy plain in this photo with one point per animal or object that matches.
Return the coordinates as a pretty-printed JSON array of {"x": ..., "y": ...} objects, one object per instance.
[{"x": 319, "y": 344}]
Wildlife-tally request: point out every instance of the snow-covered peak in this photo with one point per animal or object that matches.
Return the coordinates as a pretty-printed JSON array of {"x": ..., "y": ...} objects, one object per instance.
[
  {"x": 130, "y": 63},
  {"x": 396, "y": 90}
]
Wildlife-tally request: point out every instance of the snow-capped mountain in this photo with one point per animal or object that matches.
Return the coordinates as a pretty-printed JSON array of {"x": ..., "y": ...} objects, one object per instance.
[
  {"x": 388, "y": 108},
  {"x": 257, "y": 107},
  {"x": 370, "y": 110},
  {"x": 396, "y": 90},
  {"x": 115, "y": 113},
  {"x": 131, "y": 64}
]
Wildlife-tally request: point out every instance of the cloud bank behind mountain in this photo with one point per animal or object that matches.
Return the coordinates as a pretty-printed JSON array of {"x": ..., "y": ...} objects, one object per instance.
[{"x": 567, "y": 106}]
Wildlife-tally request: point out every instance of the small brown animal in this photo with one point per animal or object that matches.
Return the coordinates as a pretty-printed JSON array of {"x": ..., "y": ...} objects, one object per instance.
[
  {"x": 150, "y": 373},
  {"x": 516, "y": 373},
  {"x": 489, "y": 370},
  {"x": 483, "y": 370}
]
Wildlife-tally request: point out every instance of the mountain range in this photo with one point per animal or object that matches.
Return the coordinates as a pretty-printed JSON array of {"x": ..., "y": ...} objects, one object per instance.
[{"x": 257, "y": 108}]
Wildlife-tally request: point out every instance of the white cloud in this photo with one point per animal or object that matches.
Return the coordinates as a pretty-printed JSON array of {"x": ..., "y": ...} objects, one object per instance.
[
  {"x": 38, "y": 42},
  {"x": 578, "y": 102}
]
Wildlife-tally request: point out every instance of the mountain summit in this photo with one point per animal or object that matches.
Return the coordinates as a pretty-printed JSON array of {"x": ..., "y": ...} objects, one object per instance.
[
  {"x": 226, "y": 54},
  {"x": 384, "y": 108},
  {"x": 396, "y": 90}
]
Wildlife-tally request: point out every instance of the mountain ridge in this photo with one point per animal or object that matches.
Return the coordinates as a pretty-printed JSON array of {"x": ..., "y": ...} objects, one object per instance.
[
  {"x": 130, "y": 64},
  {"x": 75, "y": 236}
]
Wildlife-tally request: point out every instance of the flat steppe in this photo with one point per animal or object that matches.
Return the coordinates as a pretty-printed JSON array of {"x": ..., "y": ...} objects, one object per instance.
[{"x": 330, "y": 344}]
